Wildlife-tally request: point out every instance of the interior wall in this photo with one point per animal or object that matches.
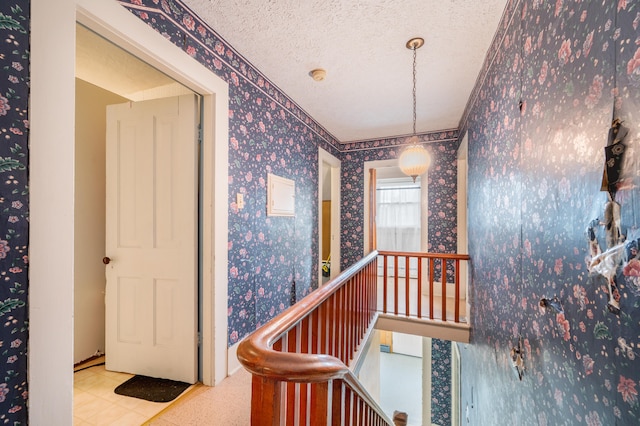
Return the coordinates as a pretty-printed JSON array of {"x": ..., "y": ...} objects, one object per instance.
[
  {"x": 538, "y": 123},
  {"x": 325, "y": 238},
  {"x": 455, "y": 385},
  {"x": 329, "y": 167},
  {"x": 427, "y": 376},
  {"x": 407, "y": 344},
  {"x": 14, "y": 211},
  {"x": 441, "y": 382},
  {"x": 462, "y": 243},
  {"x": 51, "y": 210},
  {"x": 89, "y": 223}
]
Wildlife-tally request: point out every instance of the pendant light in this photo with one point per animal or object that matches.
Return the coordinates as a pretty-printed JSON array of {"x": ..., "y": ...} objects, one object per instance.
[{"x": 414, "y": 160}]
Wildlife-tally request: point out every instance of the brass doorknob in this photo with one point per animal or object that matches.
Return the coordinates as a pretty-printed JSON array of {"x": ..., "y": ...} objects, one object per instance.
[{"x": 106, "y": 260}]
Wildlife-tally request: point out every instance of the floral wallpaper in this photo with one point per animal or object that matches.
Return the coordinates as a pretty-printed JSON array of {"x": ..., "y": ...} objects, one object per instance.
[
  {"x": 14, "y": 100},
  {"x": 558, "y": 74},
  {"x": 440, "y": 382}
]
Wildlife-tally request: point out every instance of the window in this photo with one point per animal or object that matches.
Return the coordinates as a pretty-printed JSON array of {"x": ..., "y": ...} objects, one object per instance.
[{"x": 398, "y": 216}]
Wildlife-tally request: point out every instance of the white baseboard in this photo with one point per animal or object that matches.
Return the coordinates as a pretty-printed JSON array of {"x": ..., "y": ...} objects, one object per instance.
[{"x": 233, "y": 364}]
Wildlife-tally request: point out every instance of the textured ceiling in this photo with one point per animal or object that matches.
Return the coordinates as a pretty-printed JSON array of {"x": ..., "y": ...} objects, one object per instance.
[
  {"x": 97, "y": 61},
  {"x": 361, "y": 44},
  {"x": 106, "y": 65}
]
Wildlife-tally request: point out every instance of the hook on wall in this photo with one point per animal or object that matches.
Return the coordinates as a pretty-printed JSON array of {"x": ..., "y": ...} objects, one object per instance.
[
  {"x": 517, "y": 359},
  {"x": 552, "y": 304}
]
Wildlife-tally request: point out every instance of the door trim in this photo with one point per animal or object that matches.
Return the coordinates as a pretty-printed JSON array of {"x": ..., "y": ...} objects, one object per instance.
[
  {"x": 462, "y": 215},
  {"x": 52, "y": 115},
  {"x": 324, "y": 157}
]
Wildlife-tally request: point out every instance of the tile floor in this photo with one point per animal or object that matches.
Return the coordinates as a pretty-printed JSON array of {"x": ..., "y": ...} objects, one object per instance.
[{"x": 96, "y": 403}]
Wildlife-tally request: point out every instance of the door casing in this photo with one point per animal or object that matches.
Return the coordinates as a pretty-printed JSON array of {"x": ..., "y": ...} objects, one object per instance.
[{"x": 325, "y": 159}]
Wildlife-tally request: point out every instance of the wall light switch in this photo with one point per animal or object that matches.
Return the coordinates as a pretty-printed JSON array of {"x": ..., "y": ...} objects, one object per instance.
[{"x": 240, "y": 201}]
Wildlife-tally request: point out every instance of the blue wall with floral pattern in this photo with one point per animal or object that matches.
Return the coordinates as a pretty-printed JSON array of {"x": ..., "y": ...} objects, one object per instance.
[
  {"x": 14, "y": 237},
  {"x": 558, "y": 72},
  {"x": 441, "y": 382}
]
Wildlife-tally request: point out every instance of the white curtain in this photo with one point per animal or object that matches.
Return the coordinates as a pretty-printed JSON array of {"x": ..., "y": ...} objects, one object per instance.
[{"x": 398, "y": 216}]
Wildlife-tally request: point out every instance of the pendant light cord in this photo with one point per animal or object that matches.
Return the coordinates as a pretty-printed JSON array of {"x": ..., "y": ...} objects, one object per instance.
[
  {"x": 414, "y": 159},
  {"x": 414, "y": 90}
]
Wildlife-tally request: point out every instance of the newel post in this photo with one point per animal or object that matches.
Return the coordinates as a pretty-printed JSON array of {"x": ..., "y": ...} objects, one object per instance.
[{"x": 266, "y": 397}]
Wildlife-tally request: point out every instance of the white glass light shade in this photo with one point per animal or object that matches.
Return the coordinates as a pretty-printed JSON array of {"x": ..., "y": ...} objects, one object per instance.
[{"x": 414, "y": 161}]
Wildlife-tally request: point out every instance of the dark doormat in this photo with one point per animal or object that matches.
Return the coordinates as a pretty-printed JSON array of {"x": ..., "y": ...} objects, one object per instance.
[{"x": 151, "y": 389}]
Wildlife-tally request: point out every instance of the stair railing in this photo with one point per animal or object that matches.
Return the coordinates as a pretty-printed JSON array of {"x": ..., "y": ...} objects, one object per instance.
[
  {"x": 299, "y": 360},
  {"x": 408, "y": 278}
]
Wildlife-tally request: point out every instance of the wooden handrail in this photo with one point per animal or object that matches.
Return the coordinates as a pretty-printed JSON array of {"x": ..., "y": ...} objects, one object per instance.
[
  {"x": 313, "y": 383},
  {"x": 255, "y": 351}
]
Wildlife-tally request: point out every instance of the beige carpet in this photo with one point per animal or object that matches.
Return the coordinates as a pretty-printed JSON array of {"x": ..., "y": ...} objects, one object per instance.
[{"x": 227, "y": 404}]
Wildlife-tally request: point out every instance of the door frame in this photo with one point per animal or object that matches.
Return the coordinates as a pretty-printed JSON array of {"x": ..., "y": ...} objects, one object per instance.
[
  {"x": 51, "y": 243},
  {"x": 324, "y": 159},
  {"x": 462, "y": 216}
]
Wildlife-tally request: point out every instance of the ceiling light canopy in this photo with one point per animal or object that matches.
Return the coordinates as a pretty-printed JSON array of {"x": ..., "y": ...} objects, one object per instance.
[{"x": 414, "y": 160}]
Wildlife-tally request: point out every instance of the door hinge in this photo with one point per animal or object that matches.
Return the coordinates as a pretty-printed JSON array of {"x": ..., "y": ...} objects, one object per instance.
[{"x": 199, "y": 338}]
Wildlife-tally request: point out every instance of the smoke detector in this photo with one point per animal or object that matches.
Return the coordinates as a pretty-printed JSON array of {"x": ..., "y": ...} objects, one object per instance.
[{"x": 318, "y": 74}]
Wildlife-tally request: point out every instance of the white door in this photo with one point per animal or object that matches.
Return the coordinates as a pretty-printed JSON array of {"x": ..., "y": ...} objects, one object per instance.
[{"x": 151, "y": 240}]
